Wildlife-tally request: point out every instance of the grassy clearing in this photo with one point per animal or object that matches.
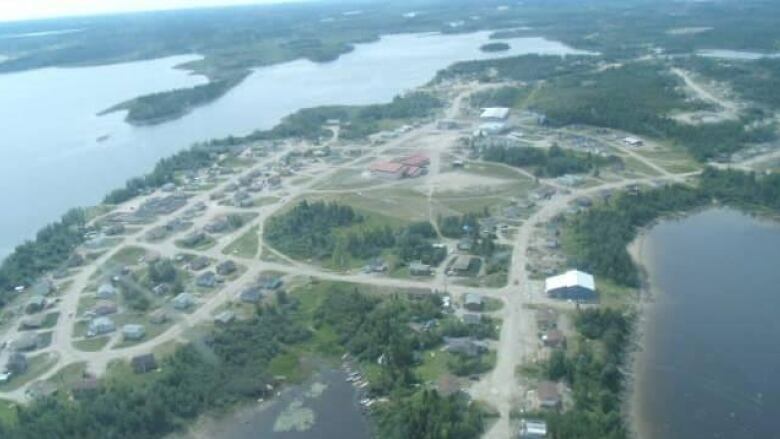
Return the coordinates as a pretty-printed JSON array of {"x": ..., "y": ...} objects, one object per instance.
[
  {"x": 434, "y": 365},
  {"x": 245, "y": 246},
  {"x": 93, "y": 344},
  {"x": 36, "y": 366},
  {"x": 7, "y": 412},
  {"x": 69, "y": 375},
  {"x": 128, "y": 255}
]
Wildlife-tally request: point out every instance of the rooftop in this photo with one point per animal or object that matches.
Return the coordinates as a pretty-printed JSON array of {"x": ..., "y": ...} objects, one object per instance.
[
  {"x": 387, "y": 167},
  {"x": 495, "y": 113},
  {"x": 572, "y": 278}
]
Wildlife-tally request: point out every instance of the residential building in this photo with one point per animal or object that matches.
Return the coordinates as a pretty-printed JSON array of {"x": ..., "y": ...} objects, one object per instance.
[
  {"x": 34, "y": 322},
  {"x": 207, "y": 280},
  {"x": 532, "y": 429},
  {"x": 25, "y": 342},
  {"x": 106, "y": 291},
  {"x": 226, "y": 268},
  {"x": 35, "y": 304},
  {"x": 387, "y": 169},
  {"x": 547, "y": 395},
  {"x": 494, "y": 114},
  {"x": 464, "y": 346},
  {"x": 253, "y": 294},
  {"x": 133, "y": 332},
  {"x": 17, "y": 363},
  {"x": 104, "y": 308},
  {"x": 553, "y": 338},
  {"x": 571, "y": 285},
  {"x": 417, "y": 268},
  {"x": 183, "y": 301},
  {"x": 143, "y": 363},
  {"x": 463, "y": 264},
  {"x": 473, "y": 302},
  {"x": 224, "y": 318},
  {"x": 199, "y": 263},
  {"x": 100, "y": 326}
]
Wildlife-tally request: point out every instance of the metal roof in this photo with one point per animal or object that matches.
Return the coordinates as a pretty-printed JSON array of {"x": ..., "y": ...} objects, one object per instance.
[
  {"x": 572, "y": 278},
  {"x": 495, "y": 113}
]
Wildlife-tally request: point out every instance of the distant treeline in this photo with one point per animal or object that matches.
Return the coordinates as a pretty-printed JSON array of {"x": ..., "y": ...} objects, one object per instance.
[
  {"x": 598, "y": 237},
  {"x": 160, "y": 107},
  {"x": 550, "y": 162}
]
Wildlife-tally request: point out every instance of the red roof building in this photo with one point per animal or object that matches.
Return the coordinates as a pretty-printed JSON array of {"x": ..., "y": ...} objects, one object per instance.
[{"x": 417, "y": 160}]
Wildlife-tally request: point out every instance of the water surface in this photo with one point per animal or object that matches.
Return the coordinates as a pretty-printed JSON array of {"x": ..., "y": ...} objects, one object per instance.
[
  {"x": 52, "y": 159},
  {"x": 711, "y": 359}
]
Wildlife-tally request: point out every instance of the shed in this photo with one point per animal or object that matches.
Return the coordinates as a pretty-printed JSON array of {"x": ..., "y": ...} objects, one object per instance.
[
  {"x": 143, "y": 363},
  {"x": 571, "y": 285},
  {"x": 494, "y": 114}
]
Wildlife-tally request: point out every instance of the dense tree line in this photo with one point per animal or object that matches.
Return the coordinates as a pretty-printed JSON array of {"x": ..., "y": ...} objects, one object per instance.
[
  {"x": 638, "y": 98},
  {"x": 599, "y": 236},
  {"x": 499, "y": 97},
  {"x": 307, "y": 229},
  {"x": 372, "y": 330},
  {"x": 51, "y": 248},
  {"x": 518, "y": 68},
  {"x": 593, "y": 374},
  {"x": 228, "y": 367},
  {"x": 550, "y": 162},
  {"x": 159, "y": 107}
]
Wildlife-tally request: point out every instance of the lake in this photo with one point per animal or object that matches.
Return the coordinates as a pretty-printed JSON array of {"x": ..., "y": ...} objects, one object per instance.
[
  {"x": 710, "y": 360},
  {"x": 326, "y": 406},
  {"x": 53, "y": 159}
]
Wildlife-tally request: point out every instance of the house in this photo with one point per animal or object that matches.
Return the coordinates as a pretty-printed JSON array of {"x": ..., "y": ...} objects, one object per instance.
[
  {"x": 375, "y": 265},
  {"x": 104, "y": 308},
  {"x": 547, "y": 395},
  {"x": 553, "y": 338},
  {"x": 161, "y": 289},
  {"x": 33, "y": 322},
  {"x": 252, "y": 294},
  {"x": 199, "y": 263},
  {"x": 571, "y": 285},
  {"x": 100, "y": 326},
  {"x": 193, "y": 239},
  {"x": 25, "y": 342},
  {"x": 470, "y": 318},
  {"x": 41, "y": 389},
  {"x": 17, "y": 363},
  {"x": 387, "y": 169},
  {"x": 143, "y": 363},
  {"x": 106, "y": 291},
  {"x": 473, "y": 302},
  {"x": 417, "y": 268},
  {"x": 224, "y": 318},
  {"x": 35, "y": 304},
  {"x": 633, "y": 141},
  {"x": 271, "y": 283},
  {"x": 226, "y": 268},
  {"x": 532, "y": 429},
  {"x": 43, "y": 287},
  {"x": 417, "y": 160},
  {"x": 494, "y": 114},
  {"x": 465, "y": 244},
  {"x": 464, "y": 346},
  {"x": 158, "y": 317},
  {"x": 183, "y": 301},
  {"x": 207, "y": 280},
  {"x": 219, "y": 225},
  {"x": 133, "y": 332},
  {"x": 463, "y": 264}
]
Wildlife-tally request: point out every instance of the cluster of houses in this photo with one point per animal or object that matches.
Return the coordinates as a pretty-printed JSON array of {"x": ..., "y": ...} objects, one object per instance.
[{"x": 410, "y": 166}]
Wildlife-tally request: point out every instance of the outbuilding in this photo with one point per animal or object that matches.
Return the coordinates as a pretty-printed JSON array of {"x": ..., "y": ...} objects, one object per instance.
[
  {"x": 183, "y": 301},
  {"x": 100, "y": 326},
  {"x": 548, "y": 396},
  {"x": 473, "y": 302},
  {"x": 143, "y": 363},
  {"x": 571, "y": 285},
  {"x": 106, "y": 291},
  {"x": 133, "y": 332},
  {"x": 494, "y": 114},
  {"x": 532, "y": 429}
]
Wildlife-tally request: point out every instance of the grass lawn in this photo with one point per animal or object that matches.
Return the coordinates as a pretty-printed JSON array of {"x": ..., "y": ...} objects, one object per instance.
[
  {"x": 93, "y": 344},
  {"x": 36, "y": 366},
  {"x": 69, "y": 375},
  {"x": 7, "y": 412},
  {"x": 245, "y": 246},
  {"x": 127, "y": 256},
  {"x": 434, "y": 365}
]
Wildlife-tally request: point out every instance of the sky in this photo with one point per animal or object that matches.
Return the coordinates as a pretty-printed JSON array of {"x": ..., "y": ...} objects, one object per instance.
[{"x": 17, "y": 10}]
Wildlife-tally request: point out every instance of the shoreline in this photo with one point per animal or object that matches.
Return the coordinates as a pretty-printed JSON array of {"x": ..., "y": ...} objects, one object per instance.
[{"x": 639, "y": 249}]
